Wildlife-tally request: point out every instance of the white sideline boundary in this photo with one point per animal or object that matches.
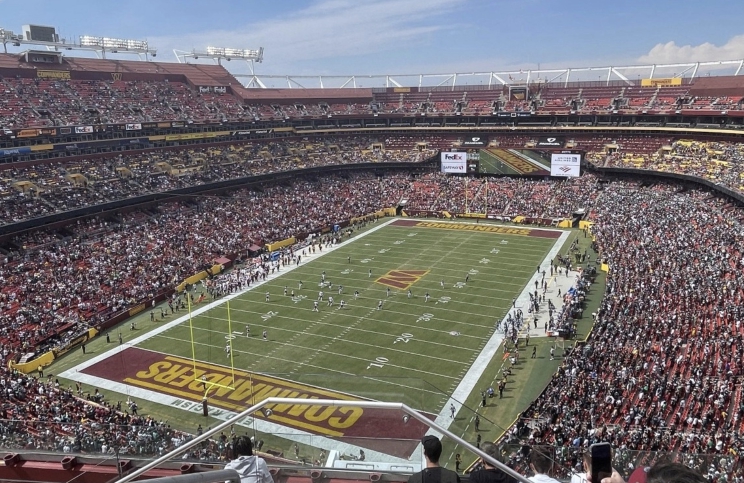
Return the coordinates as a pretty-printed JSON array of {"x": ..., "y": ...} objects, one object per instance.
[
  {"x": 466, "y": 386},
  {"x": 460, "y": 394}
]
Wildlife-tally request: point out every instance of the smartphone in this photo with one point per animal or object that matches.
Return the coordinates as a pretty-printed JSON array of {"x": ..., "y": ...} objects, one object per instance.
[{"x": 601, "y": 461}]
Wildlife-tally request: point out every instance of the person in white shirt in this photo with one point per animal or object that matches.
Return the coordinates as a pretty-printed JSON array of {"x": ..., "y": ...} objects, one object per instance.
[
  {"x": 252, "y": 469},
  {"x": 541, "y": 463}
]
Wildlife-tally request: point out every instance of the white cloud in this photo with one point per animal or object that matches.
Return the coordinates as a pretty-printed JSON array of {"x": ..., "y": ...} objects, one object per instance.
[
  {"x": 325, "y": 30},
  {"x": 670, "y": 52}
]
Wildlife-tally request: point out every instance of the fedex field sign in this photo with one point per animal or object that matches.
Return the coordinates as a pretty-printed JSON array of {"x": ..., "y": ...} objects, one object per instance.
[{"x": 454, "y": 162}]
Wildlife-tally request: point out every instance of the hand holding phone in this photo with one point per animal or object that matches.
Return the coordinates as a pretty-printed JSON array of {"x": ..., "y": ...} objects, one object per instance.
[{"x": 601, "y": 465}]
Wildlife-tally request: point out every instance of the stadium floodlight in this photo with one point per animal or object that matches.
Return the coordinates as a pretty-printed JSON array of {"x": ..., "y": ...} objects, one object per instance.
[
  {"x": 48, "y": 37},
  {"x": 9, "y": 36},
  {"x": 219, "y": 53},
  {"x": 103, "y": 44}
]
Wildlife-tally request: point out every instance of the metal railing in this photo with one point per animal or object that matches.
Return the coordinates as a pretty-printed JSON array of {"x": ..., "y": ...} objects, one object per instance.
[{"x": 330, "y": 403}]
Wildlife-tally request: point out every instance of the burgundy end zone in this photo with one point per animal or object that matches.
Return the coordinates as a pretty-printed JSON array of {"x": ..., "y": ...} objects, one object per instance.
[
  {"x": 376, "y": 429},
  {"x": 533, "y": 232}
]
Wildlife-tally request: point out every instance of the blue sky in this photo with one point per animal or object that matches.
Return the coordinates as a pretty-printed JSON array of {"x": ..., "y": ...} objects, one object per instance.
[{"x": 340, "y": 37}]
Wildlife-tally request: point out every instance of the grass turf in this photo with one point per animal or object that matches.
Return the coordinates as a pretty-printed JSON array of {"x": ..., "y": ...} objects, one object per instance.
[{"x": 411, "y": 351}]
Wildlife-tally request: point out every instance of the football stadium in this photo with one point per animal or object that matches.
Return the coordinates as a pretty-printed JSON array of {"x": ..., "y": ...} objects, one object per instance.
[{"x": 531, "y": 265}]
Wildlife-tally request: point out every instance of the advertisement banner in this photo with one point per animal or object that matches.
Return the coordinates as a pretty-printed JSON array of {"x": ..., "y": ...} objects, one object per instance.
[
  {"x": 550, "y": 142},
  {"x": 14, "y": 151},
  {"x": 72, "y": 146},
  {"x": 252, "y": 131},
  {"x": 454, "y": 162},
  {"x": 83, "y": 129},
  {"x": 178, "y": 124},
  {"x": 475, "y": 141},
  {"x": 565, "y": 165},
  {"x": 27, "y": 133},
  {"x": 220, "y": 89},
  {"x": 164, "y": 124},
  {"x": 135, "y": 126},
  {"x": 127, "y": 142},
  {"x": 48, "y": 131}
]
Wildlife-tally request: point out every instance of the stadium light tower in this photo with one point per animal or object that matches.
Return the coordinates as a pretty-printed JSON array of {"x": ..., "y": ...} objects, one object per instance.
[
  {"x": 219, "y": 53},
  {"x": 48, "y": 38},
  {"x": 101, "y": 45},
  {"x": 8, "y": 36}
]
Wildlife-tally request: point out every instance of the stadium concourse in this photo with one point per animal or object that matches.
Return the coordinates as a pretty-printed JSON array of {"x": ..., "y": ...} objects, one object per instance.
[{"x": 663, "y": 362}]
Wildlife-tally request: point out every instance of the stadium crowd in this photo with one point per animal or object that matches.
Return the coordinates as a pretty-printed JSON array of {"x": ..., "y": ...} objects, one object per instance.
[
  {"x": 38, "y": 414},
  {"x": 719, "y": 162},
  {"x": 33, "y": 103},
  {"x": 47, "y": 188},
  {"x": 661, "y": 371}
]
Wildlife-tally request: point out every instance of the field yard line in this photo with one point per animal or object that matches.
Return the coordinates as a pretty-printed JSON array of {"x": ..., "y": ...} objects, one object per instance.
[
  {"x": 72, "y": 373},
  {"x": 401, "y": 324},
  {"x": 327, "y": 338},
  {"x": 466, "y": 386}
]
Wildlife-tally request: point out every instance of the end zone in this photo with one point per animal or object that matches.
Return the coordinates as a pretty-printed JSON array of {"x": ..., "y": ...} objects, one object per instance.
[
  {"x": 180, "y": 383},
  {"x": 481, "y": 227}
]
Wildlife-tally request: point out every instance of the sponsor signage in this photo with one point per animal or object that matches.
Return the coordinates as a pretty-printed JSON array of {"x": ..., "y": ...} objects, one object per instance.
[
  {"x": 178, "y": 124},
  {"x": 65, "y": 130},
  {"x": 14, "y": 151},
  {"x": 151, "y": 125},
  {"x": 135, "y": 126},
  {"x": 53, "y": 74},
  {"x": 550, "y": 142},
  {"x": 252, "y": 131},
  {"x": 83, "y": 129},
  {"x": 127, "y": 142},
  {"x": 220, "y": 89},
  {"x": 453, "y": 162},
  {"x": 164, "y": 124},
  {"x": 565, "y": 165},
  {"x": 72, "y": 146},
  {"x": 187, "y": 136},
  {"x": 475, "y": 141},
  {"x": 514, "y": 114},
  {"x": 27, "y": 133}
]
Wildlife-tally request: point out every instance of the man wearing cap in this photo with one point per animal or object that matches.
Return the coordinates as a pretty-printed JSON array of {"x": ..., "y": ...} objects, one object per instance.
[
  {"x": 489, "y": 473},
  {"x": 433, "y": 473}
]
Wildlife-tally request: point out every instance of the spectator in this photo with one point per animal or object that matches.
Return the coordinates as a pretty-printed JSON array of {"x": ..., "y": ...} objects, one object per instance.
[
  {"x": 541, "y": 463},
  {"x": 433, "y": 473},
  {"x": 251, "y": 468},
  {"x": 488, "y": 473}
]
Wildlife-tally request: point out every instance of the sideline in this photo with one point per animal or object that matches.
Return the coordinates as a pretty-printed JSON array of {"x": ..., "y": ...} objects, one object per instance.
[{"x": 471, "y": 378}]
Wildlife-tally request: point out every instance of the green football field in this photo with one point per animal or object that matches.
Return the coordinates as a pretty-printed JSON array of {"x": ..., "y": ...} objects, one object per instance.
[
  {"x": 411, "y": 350},
  {"x": 408, "y": 340}
]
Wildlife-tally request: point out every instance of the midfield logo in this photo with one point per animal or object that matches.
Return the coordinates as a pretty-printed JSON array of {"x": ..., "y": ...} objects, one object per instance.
[{"x": 401, "y": 279}]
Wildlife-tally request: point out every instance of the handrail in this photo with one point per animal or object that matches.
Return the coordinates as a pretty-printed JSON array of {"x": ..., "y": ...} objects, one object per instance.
[
  {"x": 202, "y": 477},
  {"x": 325, "y": 402}
]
